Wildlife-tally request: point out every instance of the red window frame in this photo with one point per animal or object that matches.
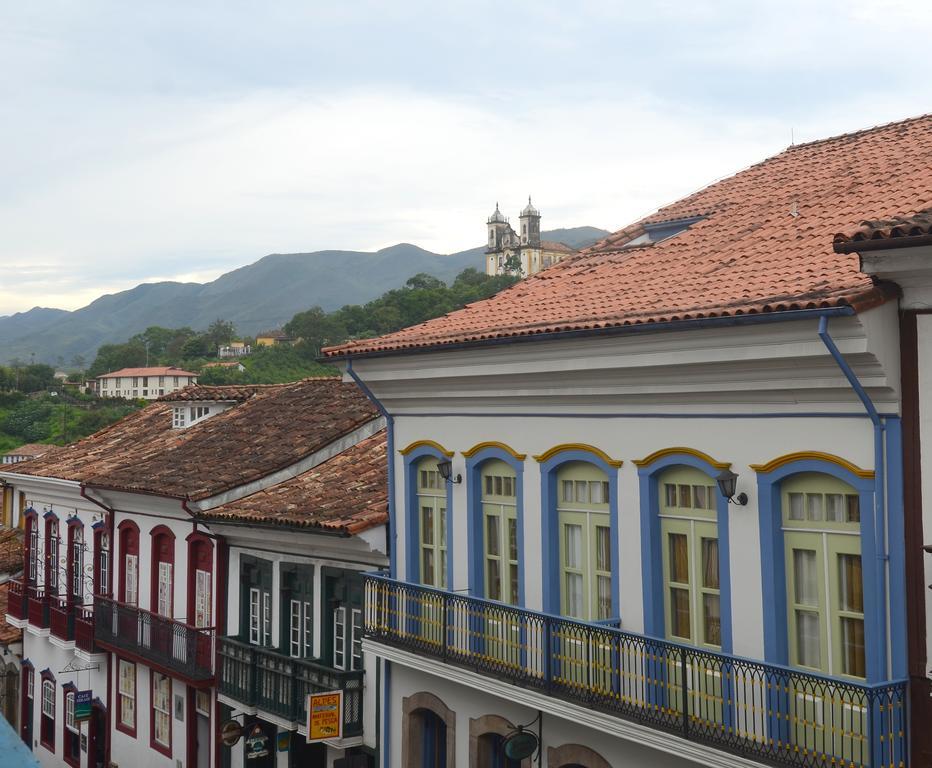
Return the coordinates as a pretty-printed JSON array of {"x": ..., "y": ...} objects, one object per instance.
[
  {"x": 158, "y": 747},
  {"x": 73, "y": 525},
  {"x": 68, "y": 735},
  {"x": 47, "y": 676},
  {"x": 51, "y": 568},
  {"x": 99, "y": 532},
  {"x": 26, "y": 693},
  {"x": 118, "y": 723},
  {"x": 163, "y": 551},
  {"x": 129, "y": 545},
  {"x": 31, "y": 548},
  {"x": 200, "y": 558}
]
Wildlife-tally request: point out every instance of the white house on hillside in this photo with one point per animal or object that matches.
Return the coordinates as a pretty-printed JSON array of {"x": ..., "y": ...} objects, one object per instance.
[{"x": 144, "y": 383}]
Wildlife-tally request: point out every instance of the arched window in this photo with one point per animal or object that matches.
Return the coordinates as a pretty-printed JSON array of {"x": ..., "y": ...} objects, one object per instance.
[
  {"x": 498, "y": 488},
  {"x": 821, "y": 518},
  {"x": 129, "y": 563},
  {"x": 71, "y": 729},
  {"x": 428, "y": 732},
  {"x": 690, "y": 552},
  {"x": 32, "y": 547},
  {"x": 584, "y": 534},
  {"x": 163, "y": 563},
  {"x": 76, "y": 562},
  {"x": 432, "y": 523},
  {"x": 102, "y": 561},
  {"x": 47, "y": 721},
  {"x": 491, "y": 752},
  {"x": 200, "y": 577},
  {"x": 51, "y": 555}
]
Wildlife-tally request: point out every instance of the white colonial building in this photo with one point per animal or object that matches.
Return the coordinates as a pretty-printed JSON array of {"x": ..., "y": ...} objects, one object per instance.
[
  {"x": 651, "y": 509},
  {"x": 144, "y": 383}
]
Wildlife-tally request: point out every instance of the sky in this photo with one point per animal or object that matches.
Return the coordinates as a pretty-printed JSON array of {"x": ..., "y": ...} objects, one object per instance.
[{"x": 176, "y": 140}]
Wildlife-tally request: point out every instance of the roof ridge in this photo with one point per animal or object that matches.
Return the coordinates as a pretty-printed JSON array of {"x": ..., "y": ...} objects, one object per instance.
[{"x": 859, "y": 132}]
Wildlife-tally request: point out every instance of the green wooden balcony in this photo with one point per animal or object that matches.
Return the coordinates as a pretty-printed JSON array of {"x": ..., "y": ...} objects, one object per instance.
[{"x": 267, "y": 681}]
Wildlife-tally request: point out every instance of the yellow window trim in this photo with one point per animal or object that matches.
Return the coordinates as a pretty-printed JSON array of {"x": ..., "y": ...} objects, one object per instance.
[
  {"x": 664, "y": 452},
  {"x": 494, "y": 444},
  {"x": 781, "y": 461},
  {"x": 427, "y": 444},
  {"x": 577, "y": 447}
]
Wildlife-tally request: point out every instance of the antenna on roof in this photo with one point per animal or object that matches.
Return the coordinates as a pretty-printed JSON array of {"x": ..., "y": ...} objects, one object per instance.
[{"x": 792, "y": 137}]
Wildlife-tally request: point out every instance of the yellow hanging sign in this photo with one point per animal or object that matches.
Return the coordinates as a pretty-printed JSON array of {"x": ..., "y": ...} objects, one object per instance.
[{"x": 324, "y": 716}]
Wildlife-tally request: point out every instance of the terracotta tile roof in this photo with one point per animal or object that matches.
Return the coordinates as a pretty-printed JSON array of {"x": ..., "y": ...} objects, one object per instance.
[
  {"x": 8, "y": 634},
  {"x": 347, "y": 493},
  {"x": 765, "y": 245},
  {"x": 33, "y": 449},
  {"x": 887, "y": 233},
  {"x": 11, "y": 551},
  {"x": 553, "y": 245},
  {"x": 158, "y": 371},
  {"x": 216, "y": 392},
  {"x": 270, "y": 430}
]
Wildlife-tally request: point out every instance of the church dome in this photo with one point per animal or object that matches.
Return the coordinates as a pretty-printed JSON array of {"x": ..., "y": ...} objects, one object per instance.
[
  {"x": 497, "y": 217},
  {"x": 530, "y": 210}
]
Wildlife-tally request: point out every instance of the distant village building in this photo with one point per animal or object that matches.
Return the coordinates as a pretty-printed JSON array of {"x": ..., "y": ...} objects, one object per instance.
[
  {"x": 507, "y": 248},
  {"x": 234, "y": 349},
  {"x": 227, "y": 364},
  {"x": 273, "y": 337},
  {"x": 147, "y": 383},
  {"x": 26, "y": 452}
]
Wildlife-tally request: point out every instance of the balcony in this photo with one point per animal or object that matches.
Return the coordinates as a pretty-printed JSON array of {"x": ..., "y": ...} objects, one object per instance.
[
  {"x": 84, "y": 630},
  {"x": 17, "y": 605},
  {"x": 61, "y": 618},
  {"x": 774, "y": 714},
  {"x": 266, "y": 681},
  {"x": 38, "y": 609},
  {"x": 176, "y": 648}
]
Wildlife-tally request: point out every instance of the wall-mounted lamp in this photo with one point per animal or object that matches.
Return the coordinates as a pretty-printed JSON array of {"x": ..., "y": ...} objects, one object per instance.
[
  {"x": 446, "y": 472},
  {"x": 727, "y": 483}
]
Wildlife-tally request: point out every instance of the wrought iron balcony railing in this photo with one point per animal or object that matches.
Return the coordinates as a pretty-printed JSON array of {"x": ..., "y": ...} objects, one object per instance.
[
  {"x": 177, "y": 647},
  {"x": 278, "y": 684},
  {"x": 775, "y": 714},
  {"x": 84, "y": 629},
  {"x": 61, "y": 618},
  {"x": 17, "y": 602}
]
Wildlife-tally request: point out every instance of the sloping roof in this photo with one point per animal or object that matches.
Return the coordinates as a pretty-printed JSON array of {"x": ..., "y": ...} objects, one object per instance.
[
  {"x": 309, "y": 501},
  {"x": 218, "y": 392},
  {"x": 270, "y": 429},
  {"x": 886, "y": 233},
  {"x": 764, "y": 245},
  {"x": 553, "y": 245},
  {"x": 158, "y": 371},
  {"x": 32, "y": 449},
  {"x": 8, "y": 634},
  {"x": 11, "y": 551}
]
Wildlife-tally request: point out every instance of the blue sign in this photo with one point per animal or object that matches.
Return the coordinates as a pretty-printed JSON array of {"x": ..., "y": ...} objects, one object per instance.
[{"x": 82, "y": 705}]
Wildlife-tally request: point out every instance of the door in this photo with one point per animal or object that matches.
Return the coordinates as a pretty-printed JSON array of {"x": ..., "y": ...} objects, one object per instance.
[
  {"x": 203, "y": 741},
  {"x": 255, "y": 601},
  {"x": 97, "y": 738}
]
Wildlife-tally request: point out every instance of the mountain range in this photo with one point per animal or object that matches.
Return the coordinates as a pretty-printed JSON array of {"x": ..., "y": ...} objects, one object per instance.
[{"x": 256, "y": 297}]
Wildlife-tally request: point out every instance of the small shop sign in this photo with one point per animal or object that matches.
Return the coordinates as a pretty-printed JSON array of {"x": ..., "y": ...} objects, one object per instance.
[
  {"x": 324, "y": 716},
  {"x": 82, "y": 705}
]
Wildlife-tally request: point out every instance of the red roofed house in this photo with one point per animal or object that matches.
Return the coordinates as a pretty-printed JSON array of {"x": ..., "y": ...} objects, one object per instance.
[
  {"x": 200, "y": 562},
  {"x": 145, "y": 383},
  {"x": 648, "y": 504}
]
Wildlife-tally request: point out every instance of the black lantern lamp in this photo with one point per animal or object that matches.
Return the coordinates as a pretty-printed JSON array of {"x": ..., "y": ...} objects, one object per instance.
[
  {"x": 446, "y": 472},
  {"x": 727, "y": 483}
]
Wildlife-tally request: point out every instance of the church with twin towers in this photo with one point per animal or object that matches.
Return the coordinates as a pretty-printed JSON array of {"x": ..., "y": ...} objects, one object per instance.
[{"x": 520, "y": 253}]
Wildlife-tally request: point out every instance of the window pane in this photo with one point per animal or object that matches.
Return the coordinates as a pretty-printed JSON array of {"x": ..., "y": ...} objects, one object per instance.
[
  {"x": 679, "y": 558},
  {"x": 491, "y": 535},
  {"x": 852, "y": 644},
  {"x": 854, "y": 509},
  {"x": 442, "y": 576},
  {"x": 807, "y": 639},
  {"x": 679, "y": 612},
  {"x": 711, "y": 620},
  {"x": 834, "y": 507},
  {"x": 710, "y": 564},
  {"x": 567, "y": 490},
  {"x": 498, "y": 486},
  {"x": 573, "y": 546},
  {"x": 670, "y": 494},
  {"x": 488, "y": 485},
  {"x": 512, "y": 539},
  {"x": 814, "y": 506},
  {"x": 685, "y": 496},
  {"x": 513, "y": 572},
  {"x": 427, "y": 525},
  {"x": 574, "y": 595},
  {"x": 427, "y": 567},
  {"x": 604, "y": 597},
  {"x": 850, "y": 584},
  {"x": 805, "y": 577},
  {"x": 603, "y": 551},
  {"x": 509, "y": 486},
  {"x": 796, "y": 506},
  {"x": 582, "y": 492},
  {"x": 495, "y": 580},
  {"x": 699, "y": 497},
  {"x": 442, "y": 525},
  {"x": 595, "y": 492}
]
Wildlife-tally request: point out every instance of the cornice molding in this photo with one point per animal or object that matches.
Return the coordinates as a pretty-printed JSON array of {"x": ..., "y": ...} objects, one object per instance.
[
  {"x": 494, "y": 444},
  {"x": 550, "y": 453},
  {"x": 781, "y": 461},
  {"x": 426, "y": 444},
  {"x": 664, "y": 452}
]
